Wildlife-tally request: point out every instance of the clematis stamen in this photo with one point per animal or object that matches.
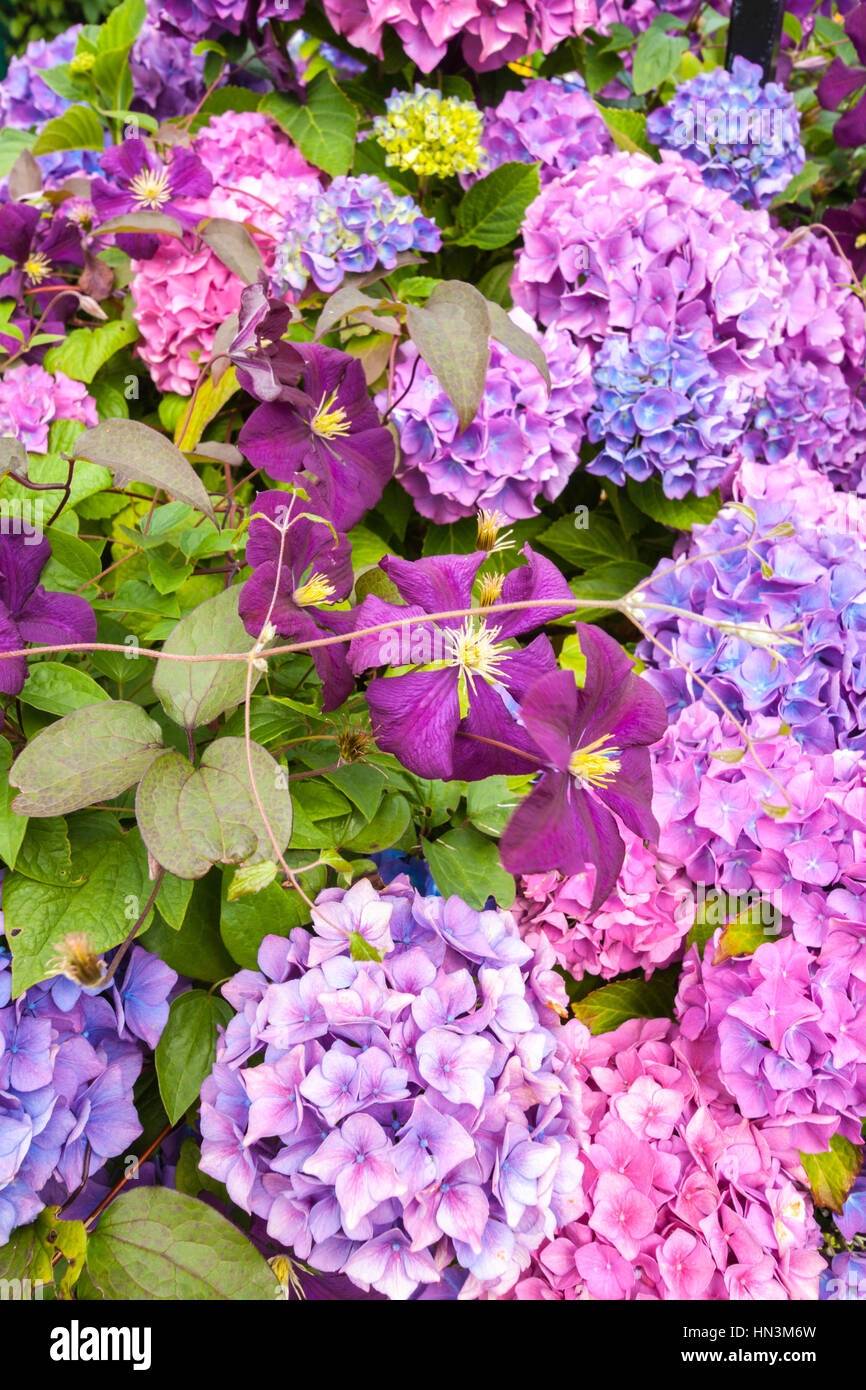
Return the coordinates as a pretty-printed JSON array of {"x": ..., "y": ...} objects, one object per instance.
[
  {"x": 150, "y": 188},
  {"x": 317, "y": 589},
  {"x": 475, "y": 650},
  {"x": 487, "y": 536},
  {"x": 37, "y": 267},
  {"x": 594, "y": 766},
  {"x": 329, "y": 421},
  {"x": 491, "y": 589}
]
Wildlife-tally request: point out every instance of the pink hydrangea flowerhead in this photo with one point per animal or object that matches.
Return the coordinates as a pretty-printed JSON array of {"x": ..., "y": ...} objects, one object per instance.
[
  {"x": 185, "y": 292},
  {"x": 492, "y": 33},
  {"x": 31, "y": 399},
  {"x": 403, "y": 1116},
  {"x": 523, "y": 443}
]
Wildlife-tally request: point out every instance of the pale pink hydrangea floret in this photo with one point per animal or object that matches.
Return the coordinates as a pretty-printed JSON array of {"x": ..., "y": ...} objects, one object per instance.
[{"x": 31, "y": 399}]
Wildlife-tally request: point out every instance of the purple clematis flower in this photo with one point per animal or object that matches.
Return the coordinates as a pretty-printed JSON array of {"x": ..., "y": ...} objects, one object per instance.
[
  {"x": 142, "y": 182},
  {"x": 37, "y": 247},
  {"x": 297, "y": 566},
  {"x": 28, "y": 613},
  {"x": 841, "y": 81},
  {"x": 329, "y": 428},
  {"x": 265, "y": 364},
  {"x": 595, "y": 743},
  {"x": 473, "y": 679}
]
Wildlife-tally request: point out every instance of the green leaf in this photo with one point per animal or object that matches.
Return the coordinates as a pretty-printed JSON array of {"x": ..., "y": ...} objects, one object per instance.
[
  {"x": 361, "y": 783},
  {"x": 134, "y": 452},
  {"x": 12, "y": 143},
  {"x": 26, "y": 1258},
  {"x": 628, "y": 129},
  {"x": 60, "y": 689},
  {"x": 656, "y": 57},
  {"x": 122, "y": 25},
  {"x": 196, "y": 693},
  {"x": 680, "y": 512},
  {"x": 12, "y": 826},
  {"x": 78, "y": 128},
  {"x": 605, "y": 1009},
  {"x": 831, "y": 1175},
  {"x": 85, "y": 350},
  {"x": 383, "y": 832},
  {"x": 465, "y": 862},
  {"x": 490, "y": 804},
  {"x": 72, "y": 565},
  {"x": 273, "y": 911},
  {"x": 191, "y": 818},
  {"x": 745, "y": 932},
  {"x": 39, "y": 916},
  {"x": 186, "y": 1050},
  {"x": 196, "y": 950},
  {"x": 360, "y": 948},
  {"x": 91, "y": 755},
  {"x": 173, "y": 899},
  {"x": 152, "y": 223},
  {"x": 800, "y": 183},
  {"x": 234, "y": 246},
  {"x": 495, "y": 284},
  {"x": 251, "y": 880},
  {"x": 153, "y": 1243},
  {"x": 584, "y": 546},
  {"x": 324, "y": 129},
  {"x": 452, "y": 334},
  {"x": 65, "y": 1238},
  {"x": 46, "y": 853},
  {"x": 492, "y": 210}
]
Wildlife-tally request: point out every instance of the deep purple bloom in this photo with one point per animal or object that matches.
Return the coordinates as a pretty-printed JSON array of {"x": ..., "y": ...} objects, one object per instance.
[
  {"x": 142, "y": 182},
  {"x": 329, "y": 428},
  {"x": 473, "y": 679},
  {"x": 595, "y": 741},
  {"x": 37, "y": 247},
  {"x": 28, "y": 612},
  {"x": 265, "y": 364},
  {"x": 298, "y": 566},
  {"x": 841, "y": 81}
]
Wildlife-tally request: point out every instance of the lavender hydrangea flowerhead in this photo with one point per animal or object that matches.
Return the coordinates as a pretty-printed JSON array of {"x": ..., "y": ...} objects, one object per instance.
[
  {"x": 299, "y": 565},
  {"x": 208, "y": 19},
  {"x": 329, "y": 428},
  {"x": 167, "y": 76},
  {"x": 547, "y": 125},
  {"x": 354, "y": 225},
  {"x": 743, "y": 134},
  {"x": 662, "y": 407},
  {"x": 430, "y": 135},
  {"x": 29, "y": 612},
  {"x": 444, "y": 716},
  {"x": 403, "y": 1115},
  {"x": 28, "y": 103},
  {"x": 522, "y": 444},
  {"x": 594, "y": 743}
]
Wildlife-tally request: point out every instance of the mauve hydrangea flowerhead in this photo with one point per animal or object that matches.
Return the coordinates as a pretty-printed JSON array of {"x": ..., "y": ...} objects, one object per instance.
[
  {"x": 29, "y": 612},
  {"x": 547, "y": 125},
  {"x": 168, "y": 78},
  {"x": 522, "y": 444},
  {"x": 68, "y": 1061},
  {"x": 786, "y": 642},
  {"x": 31, "y": 399},
  {"x": 352, "y": 226},
  {"x": 328, "y": 427},
  {"x": 183, "y": 293},
  {"x": 208, "y": 19},
  {"x": 299, "y": 565},
  {"x": 786, "y": 1030},
  {"x": 641, "y": 924},
  {"x": 680, "y": 1197},
  {"x": 743, "y": 134},
  {"x": 27, "y": 102},
  {"x": 596, "y": 765},
  {"x": 438, "y": 720},
  {"x": 662, "y": 407},
  {"x": 809, "y": 412},
  {"x": 491, "y": 34},
  {"x": 429, "y": 134},
  {"x": 402, "y": 1115}
]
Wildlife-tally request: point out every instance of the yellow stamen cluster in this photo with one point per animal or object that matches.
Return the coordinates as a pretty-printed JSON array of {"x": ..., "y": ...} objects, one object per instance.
[
  {"x": 150, "y": 188},
  {"x": 487, "y": 535},
  {"x": 78, "y": 961},
  {"x": 491, "y": 589},
  {"x": 594, "y": 766},
  {"x": 316, "y": 590},
  {"x": 431, "y": 134},
  {"x": 475, "y": 650},
  {"x": 37, "y": 268},
  {"x": 286, "y": 1276},
  {"x": 327, "y": 422}
]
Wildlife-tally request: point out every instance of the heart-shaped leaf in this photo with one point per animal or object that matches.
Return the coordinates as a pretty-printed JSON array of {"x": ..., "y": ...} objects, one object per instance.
[{"x": 135, "y": 453}]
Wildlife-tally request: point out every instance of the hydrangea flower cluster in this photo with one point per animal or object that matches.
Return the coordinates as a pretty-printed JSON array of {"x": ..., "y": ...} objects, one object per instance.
[
  {"x": 399, "y": 1118},
  {"x": 641, "y": 925},
  {"x": 661, "y": 406},
  {"x": 491, "y": 34},
  {"x": 775, "y": 628},
  {"x": 743, "y": 134},
  {"x": 207, "y": 19},
  {"x": 808, "y": 411},
  {"x": 353, "y": 225},
  {"x": 182, "y": 294},
  {"x": 68, "y": 1060},
  {"x": 522, "y": 444},
  {"x": 31, "y": 399},
  {"x": 680, "y": 1197},
  {"x": 785, "y": 1029},
  {"x": 27, "y": 103},
  {"x": 167, "y": 76},
  {"x": 546, "y": 124},
  {"x": 427, "y": 133}
]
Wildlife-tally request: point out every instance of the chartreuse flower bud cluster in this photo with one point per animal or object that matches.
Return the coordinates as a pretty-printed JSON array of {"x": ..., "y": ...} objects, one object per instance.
[{"x": 431, "y": 134}]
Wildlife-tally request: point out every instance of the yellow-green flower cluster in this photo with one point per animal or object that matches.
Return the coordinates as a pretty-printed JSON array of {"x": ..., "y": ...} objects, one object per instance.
[{"x": 431, "y": 134}]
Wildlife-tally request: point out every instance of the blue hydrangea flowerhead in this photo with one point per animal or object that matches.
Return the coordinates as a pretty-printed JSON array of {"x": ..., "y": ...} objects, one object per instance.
[
  {"x": 662, "y": 407},
  {"x": 744, "y": 134},
  {"x": 355, "y": 224}
]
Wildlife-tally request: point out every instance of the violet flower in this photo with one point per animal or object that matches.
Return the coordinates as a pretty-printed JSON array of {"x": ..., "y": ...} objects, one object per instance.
[
  {"x": 28, "y": 613},
  {"x": 36, "y": 247},
  {"x": 471, "y": 678},
  {"x": 142, "y": 182},
  {"x": 840, "y": 81},
  {"x": 595, "y": 740}
]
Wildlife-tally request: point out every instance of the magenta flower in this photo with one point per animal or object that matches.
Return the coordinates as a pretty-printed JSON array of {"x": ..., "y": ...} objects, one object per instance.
[
  {"x": 595, "y": 743},
  {"x": 358, "y": 1160},
  {"x": 142, "y": 182},
  {"x": 28, "y": 612},
  {"x": 473, "y": 679}
]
